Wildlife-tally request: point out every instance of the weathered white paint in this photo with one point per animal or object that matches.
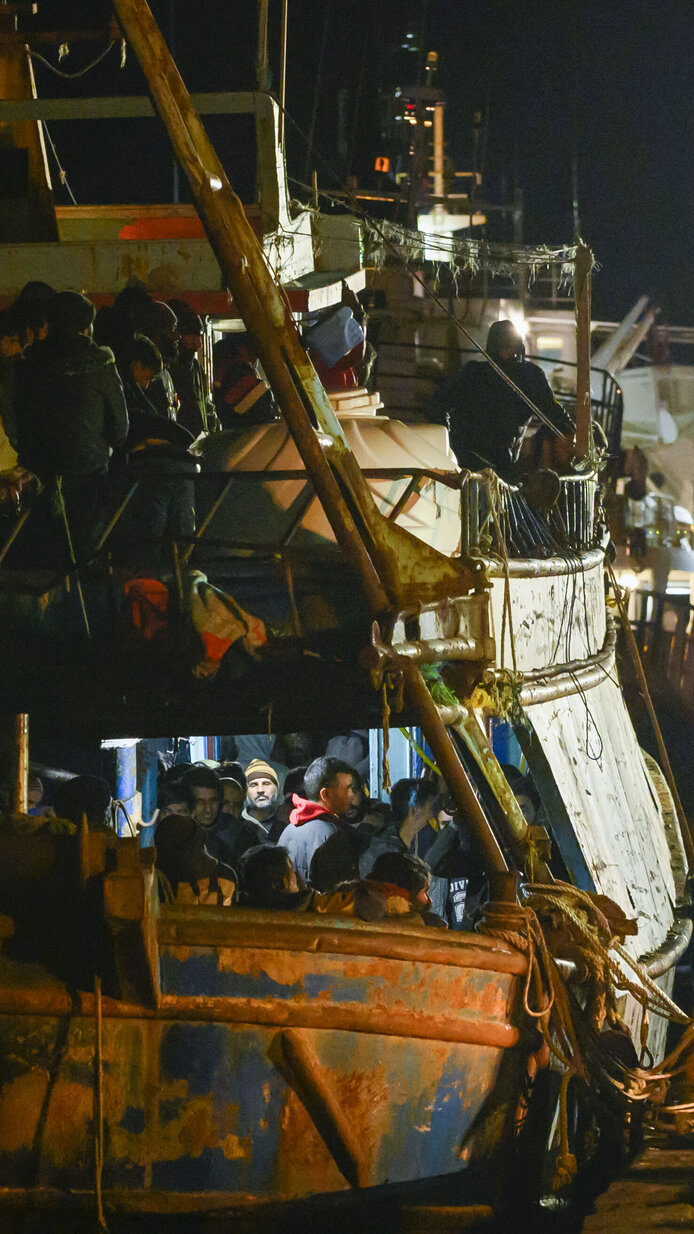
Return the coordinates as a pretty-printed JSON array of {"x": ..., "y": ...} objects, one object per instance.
[
  {"x": 554, "y": 620},
  {"x": 592, "y": 750},
  {"x": 162, "y": 265}
]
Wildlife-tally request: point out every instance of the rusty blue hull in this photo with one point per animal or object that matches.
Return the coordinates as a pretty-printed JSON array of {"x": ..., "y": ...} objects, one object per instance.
[{"x": 278, "y": 1060}]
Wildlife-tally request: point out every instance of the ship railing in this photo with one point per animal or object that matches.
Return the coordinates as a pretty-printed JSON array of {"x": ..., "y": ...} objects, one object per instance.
[
  {"x": 497, "y": 518},
  {"x": 663, "y": 627}
]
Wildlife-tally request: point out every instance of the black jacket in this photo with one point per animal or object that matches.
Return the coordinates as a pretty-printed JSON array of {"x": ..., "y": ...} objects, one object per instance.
[
  {"x": 229, "y": 838},
  {"x": 69, "y": 407},
  {"x": 485, "y": 415}
]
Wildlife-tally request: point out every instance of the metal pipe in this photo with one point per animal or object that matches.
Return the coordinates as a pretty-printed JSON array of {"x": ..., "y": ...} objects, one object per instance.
[
  {"x": 413, "y": 487},
  {"x": 546, "y": 691},
  {"x": 558, "y": 680},
  {"x": 257, "y": 930},
  {"x": 21, "y": 796},
  {"x": 14, "y": 763},
  {"x": 317, "y": 1093},
  {"x": 116, "y": 517},
  {"x": 433, "y": 650},
  {"x": 281, "y": 1013},
  {"x": 187, "y": 553},
  {"x": 670, "y": 950},
  {"x": 438, "y": 150},
  {"x": 527, "y": 567}
]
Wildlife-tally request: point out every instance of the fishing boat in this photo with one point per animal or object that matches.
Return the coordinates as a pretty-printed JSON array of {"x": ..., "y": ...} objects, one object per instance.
[{"x": 170, "y": 1059}]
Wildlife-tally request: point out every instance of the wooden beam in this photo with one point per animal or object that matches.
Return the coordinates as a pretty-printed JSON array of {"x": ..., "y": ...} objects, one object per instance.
[
  {"x": 128, "y": 106},
  {"x": 582, "y": 269}
]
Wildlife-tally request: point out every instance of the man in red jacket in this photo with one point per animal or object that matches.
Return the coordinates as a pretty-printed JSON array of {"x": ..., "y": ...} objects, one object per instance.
[{"x": 330, "y": 793}]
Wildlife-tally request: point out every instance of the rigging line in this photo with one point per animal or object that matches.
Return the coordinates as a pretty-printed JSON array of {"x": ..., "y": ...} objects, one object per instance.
[
  {"x": 62, "y": 174},
  {"x": 590, "y": 719},
  {"x": 437, "y": 299},
  {"x": 35, "y": 55}
]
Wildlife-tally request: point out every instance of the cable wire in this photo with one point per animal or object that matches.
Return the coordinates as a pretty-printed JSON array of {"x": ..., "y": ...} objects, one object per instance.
[{"x": 35, "y": 55}]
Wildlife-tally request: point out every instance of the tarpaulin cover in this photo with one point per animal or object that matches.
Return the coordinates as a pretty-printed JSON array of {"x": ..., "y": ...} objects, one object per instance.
[{"x": 264, "y": 513}]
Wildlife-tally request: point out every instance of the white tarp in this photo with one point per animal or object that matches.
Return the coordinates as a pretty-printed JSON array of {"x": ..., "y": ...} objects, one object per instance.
[{"x": 376, "y": 441}]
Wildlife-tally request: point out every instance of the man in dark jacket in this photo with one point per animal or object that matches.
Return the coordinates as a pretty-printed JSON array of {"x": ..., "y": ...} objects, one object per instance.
[
  {"x": 412, "y": 804},
  {"x": 226, "y": 838},
  {"x": 330, "y": 793},
  {"x": 156, "y": 455},
  {"x": 485, "y": 415},
  {"x": 70, "y": 414}
]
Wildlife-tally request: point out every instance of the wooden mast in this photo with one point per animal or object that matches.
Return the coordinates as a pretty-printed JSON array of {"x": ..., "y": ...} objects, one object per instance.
[{"x": 582, "y": 269}]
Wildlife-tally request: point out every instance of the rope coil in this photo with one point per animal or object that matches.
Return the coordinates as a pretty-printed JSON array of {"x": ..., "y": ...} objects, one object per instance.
[{"x": 571, "y": 1029}]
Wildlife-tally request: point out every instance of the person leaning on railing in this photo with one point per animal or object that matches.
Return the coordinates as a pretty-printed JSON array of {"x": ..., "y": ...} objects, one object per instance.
[{"x": 486, "y": 417}]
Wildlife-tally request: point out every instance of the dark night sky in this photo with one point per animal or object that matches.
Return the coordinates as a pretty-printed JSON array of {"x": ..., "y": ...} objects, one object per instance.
[{"x": 610, "y": 78}]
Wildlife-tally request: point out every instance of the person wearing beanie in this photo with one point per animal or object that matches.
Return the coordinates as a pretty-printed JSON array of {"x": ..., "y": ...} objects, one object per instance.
[
  {"x": 262, "y": 797},
  {"x": 486, "y": 417},
  {"x": 69, "y": 415}
]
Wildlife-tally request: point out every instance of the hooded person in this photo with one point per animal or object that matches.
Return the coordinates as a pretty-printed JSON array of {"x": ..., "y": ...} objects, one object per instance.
[
  {"x": 486, "y": 417},
  {"x": 70, "y": 415},
  {"x": 330, "y": 794},
  {"x": 413, "y": 803},
  {"x": 403, "y": 880}
]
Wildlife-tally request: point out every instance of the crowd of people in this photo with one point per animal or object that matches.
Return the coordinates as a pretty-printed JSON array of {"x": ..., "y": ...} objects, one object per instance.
[
  {"x": 94, "y": 403},
  {"x": 318, "y": 843}
]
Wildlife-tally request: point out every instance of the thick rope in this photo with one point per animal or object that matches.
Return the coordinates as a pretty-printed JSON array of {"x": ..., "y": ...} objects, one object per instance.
[
  {"x": 579, "y": 909},
  {"x": 572, "y": 1033},
  {"x": 545, "y": 1001}
]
